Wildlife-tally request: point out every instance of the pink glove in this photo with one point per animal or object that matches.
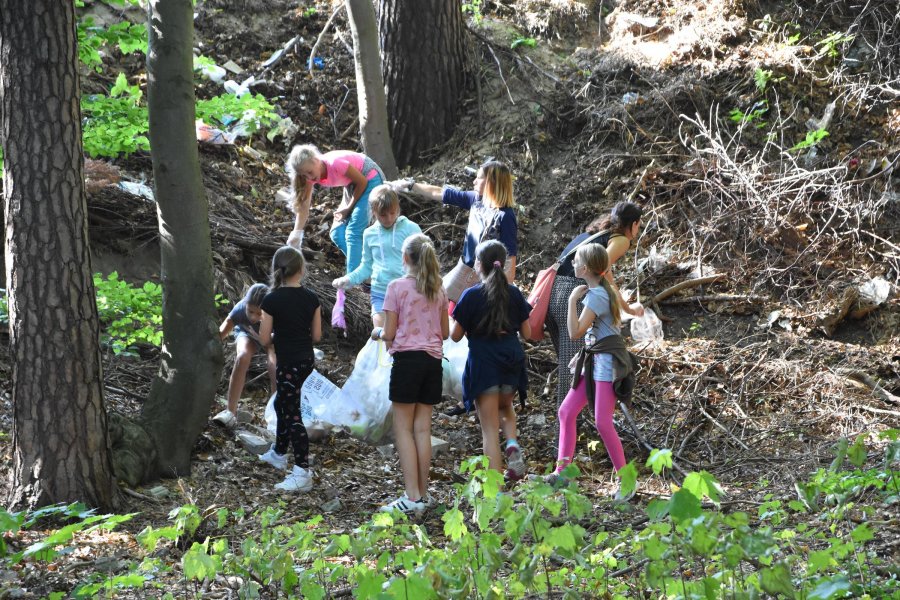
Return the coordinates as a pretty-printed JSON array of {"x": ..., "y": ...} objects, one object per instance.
[{"x": 337, "y": 313}]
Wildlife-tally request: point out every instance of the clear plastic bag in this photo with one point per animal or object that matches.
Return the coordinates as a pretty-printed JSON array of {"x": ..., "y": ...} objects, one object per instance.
[
  {"x": 366, "y": 393},
  {"x": 647, "y": 328},
  {"x": 455, "y": 356}
]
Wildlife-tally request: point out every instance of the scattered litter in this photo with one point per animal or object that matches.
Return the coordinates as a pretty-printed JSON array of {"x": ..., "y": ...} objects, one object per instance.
[
  {"x": 331, "y": 506},
  {"x": 276, "y": 56},
  {"x": 239, "y": 89},
  {"x": 630, "y": 98},
  {"x": 233, "y": 67},
  {"x": 318, "y": 63},
  {"x": 657, "y": 260},
  {"x": 825, "y": 121},
  {"x": 387, "y": 450},
  {"x": 159, "y": 492},
  {"x": 212, "y": 72},
  {"x": 438, "y": 445},
  {"x": 137, "y": 189},
  {"x": 647, "y": 328},
  {"x": 285, "y": 128},
  {"x": 211, "y": 135},
  {"x": 537, "y": 420},
  {"x": 252, "y": 443},
  {"x": 318, "y": 353}
]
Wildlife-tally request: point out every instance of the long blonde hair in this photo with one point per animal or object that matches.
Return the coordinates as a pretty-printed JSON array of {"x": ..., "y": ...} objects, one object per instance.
[
  {"x": 498, "y": 187},
  {"x": 423, "y": 264},
  {"x": 596, "y": 260},
  {"x": 298, "y": 156}
]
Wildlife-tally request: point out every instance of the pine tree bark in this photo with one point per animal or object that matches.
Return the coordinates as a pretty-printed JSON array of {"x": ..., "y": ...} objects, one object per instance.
[
  {"x": 191, "y": 359},
  {"x": 60, "y": 446},
  {"x": 423, "y": 44},
  {"x": 373, "y": 116}
]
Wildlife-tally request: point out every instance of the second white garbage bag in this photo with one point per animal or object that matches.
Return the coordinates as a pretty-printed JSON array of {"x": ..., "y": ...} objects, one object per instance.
[{"x": 366, "y": 394}]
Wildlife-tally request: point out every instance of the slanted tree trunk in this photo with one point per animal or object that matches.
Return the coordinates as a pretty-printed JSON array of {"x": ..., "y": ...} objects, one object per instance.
[
  {"x": 373, "y": 115},
  {"x": 191, "y": 360},
  {"x": 423, "y": 43},
  {"x": 60, "y": 446}
]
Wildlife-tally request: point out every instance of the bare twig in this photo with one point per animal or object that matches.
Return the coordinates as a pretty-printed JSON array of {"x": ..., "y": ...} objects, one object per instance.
[{"x": 312, "y": 53}]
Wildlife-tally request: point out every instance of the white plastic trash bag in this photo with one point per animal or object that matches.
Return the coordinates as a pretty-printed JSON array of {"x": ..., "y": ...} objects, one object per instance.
[
  {"x": 320, "y": 405},
  {"x": 455, "y": 356},
  {"x": 366, "y": 393},
  {"x": 647, "y": 328}
]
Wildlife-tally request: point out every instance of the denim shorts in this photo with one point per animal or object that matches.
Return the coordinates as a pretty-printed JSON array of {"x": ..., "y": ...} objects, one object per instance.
[
  {"x": 377, "y": 302},
  {"x": 239, "y": 331}
]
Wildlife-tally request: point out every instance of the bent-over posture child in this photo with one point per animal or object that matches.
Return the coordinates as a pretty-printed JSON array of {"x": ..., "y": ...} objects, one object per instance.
[
  {"x": 416, "y": 322},
  {"x": 491, "y": 314},
  {"x": 603, "y": 361},
  {"x": 355, "y": 172},
  {"x": 382, "y": 255},
  {"x": 244, "y": 320},
  {"x": 292, "y": 312}
]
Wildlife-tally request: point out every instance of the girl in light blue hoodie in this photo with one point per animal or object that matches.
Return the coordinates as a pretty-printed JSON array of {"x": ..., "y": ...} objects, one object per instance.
[{"x": 382, "y": 255}]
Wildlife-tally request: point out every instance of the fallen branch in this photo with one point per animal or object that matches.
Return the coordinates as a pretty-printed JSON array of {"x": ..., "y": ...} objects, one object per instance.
[
  {"x": 690, "y": 283},
  {"x": 643, "y": 440},
  {"x": 717, "y": 298},
  {"x": 312, "y": 53},
  {"x": 868, "y": 381}
]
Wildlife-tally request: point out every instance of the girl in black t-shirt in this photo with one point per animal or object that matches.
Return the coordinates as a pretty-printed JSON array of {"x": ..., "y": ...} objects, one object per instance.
[{"x": 292, "y": 313}]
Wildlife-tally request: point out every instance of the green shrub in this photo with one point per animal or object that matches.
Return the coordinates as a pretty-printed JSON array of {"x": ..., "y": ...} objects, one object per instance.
[{"x": 128, "y": 314}]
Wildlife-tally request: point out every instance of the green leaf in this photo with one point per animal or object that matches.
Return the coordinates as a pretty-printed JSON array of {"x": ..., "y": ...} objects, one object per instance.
[
  {"x": 199, "y": 565},
  {"x": 703, "y": 484},
  {"x": 527, "y": 42},
  {"x": 857, "y": 453},
  {"x": 831, "y": 587},
  {"x": 862, "y": 534},
  {"x": 628, "y": 478},
  {"x": 368, "y": 583},
  {"x": 659, "y": 460},
  {"x": 454, "y": 524},
  {"x": 820, "y": 560},
  {"x": 777, "y": 580},
  {"x": 684, "y": 505}
]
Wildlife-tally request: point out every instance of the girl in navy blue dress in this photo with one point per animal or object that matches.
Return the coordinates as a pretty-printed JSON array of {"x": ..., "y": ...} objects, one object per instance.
[{"x": 491, "y": 314}]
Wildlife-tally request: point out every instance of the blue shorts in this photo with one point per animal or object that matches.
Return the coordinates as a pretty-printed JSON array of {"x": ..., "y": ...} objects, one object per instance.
[
  {"x": 377, "y": 302},
  {"x": 241, "y": 332}
]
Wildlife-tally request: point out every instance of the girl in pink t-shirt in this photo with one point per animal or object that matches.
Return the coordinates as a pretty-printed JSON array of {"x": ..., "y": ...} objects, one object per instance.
[
  {"x": 416, "y": 321},
  {"x": 356, "y": 173}
]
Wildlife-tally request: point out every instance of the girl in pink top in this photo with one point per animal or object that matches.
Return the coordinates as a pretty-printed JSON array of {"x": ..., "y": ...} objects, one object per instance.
[
  {"x": 356, "y": 173},
  {"x": 416, "y": 321}
]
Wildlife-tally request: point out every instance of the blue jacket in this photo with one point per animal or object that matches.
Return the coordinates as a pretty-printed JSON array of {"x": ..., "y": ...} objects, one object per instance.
[{"x": 382, "y": 255}]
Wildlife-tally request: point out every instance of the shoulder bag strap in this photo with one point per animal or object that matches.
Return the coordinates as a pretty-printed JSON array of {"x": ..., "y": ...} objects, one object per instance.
[{"x": 579, "y": 245}]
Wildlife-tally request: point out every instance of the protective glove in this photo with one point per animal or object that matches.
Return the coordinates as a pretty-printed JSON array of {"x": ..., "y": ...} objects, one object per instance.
[
  {"x": 341, "y": 283},
  {"x": 295, "y": 239}
]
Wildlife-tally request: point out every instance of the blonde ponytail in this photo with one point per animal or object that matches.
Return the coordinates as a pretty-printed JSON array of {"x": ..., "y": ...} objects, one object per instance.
[
  {"x": 596, "y": 260},
  {"x": 423, "y": 263}
]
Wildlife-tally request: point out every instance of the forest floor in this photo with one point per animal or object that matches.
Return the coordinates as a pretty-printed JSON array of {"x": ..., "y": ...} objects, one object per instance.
[{"x": 761, "y": 371}]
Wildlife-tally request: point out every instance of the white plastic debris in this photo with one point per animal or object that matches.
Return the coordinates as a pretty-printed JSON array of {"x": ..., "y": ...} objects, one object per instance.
[{"x": 647, "y": 328}]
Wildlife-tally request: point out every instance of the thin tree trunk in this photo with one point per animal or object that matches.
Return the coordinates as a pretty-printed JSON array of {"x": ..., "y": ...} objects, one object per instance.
[
  {"x": 61, "y": 450},
  {"x": 192, "y": 357},
  {"x": 373, "y": 116}
]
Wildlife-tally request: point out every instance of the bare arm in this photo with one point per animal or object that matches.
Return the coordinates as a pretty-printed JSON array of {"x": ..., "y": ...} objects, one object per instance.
[
  {"x": 576, "y": 325},
  {"x": 360, "y": 183},
  {"x": 433, "y": 192},
  {"x": 316, "y": 328},
  {"x": 225, "y": 328},
  {"x": 511, "y": 269},
  {"x": 525, "y": 329},
  {"x": 265, "y": 329},
  {"x": 457, "y": 332},
  {"x": 445, "y": 325},
  {"x": 389, "y": 331}
]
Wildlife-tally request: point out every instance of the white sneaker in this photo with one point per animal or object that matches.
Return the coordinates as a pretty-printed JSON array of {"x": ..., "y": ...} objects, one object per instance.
[
  {"x": 404, "y": 505},
  {"x": 298, "y": 480},
  {"x": 428, "y": 500},
  {"x": 226, "y": 418},
  {"x": 279, "y": 461}
]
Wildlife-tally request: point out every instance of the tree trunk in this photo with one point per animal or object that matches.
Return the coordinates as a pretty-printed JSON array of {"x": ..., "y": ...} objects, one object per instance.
[
  {"x": 424, "y": 47},
  {"x": 61, "y": 450},
  {"x": 191, "y": 359},
  {"x": 373, "y": 117}
]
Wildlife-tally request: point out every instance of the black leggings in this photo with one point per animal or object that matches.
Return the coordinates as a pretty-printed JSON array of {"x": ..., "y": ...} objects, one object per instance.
[{"x": 289, "y": 379}]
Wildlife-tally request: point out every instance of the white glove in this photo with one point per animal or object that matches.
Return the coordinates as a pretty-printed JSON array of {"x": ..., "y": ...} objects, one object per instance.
[
  {"x": 402, "y": 185},
  {"x": 341, "y": 283},
  {"x": 295, "y": 239}
]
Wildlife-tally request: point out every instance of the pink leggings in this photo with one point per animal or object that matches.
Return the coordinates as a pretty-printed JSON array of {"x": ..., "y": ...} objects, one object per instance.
[{"x": 605, "y": 404}]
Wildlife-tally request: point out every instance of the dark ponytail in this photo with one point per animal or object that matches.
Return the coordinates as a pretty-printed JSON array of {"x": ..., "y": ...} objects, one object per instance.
[
  {"x": 622, "y": 216},
  {"x": 492, "y": 256}
]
